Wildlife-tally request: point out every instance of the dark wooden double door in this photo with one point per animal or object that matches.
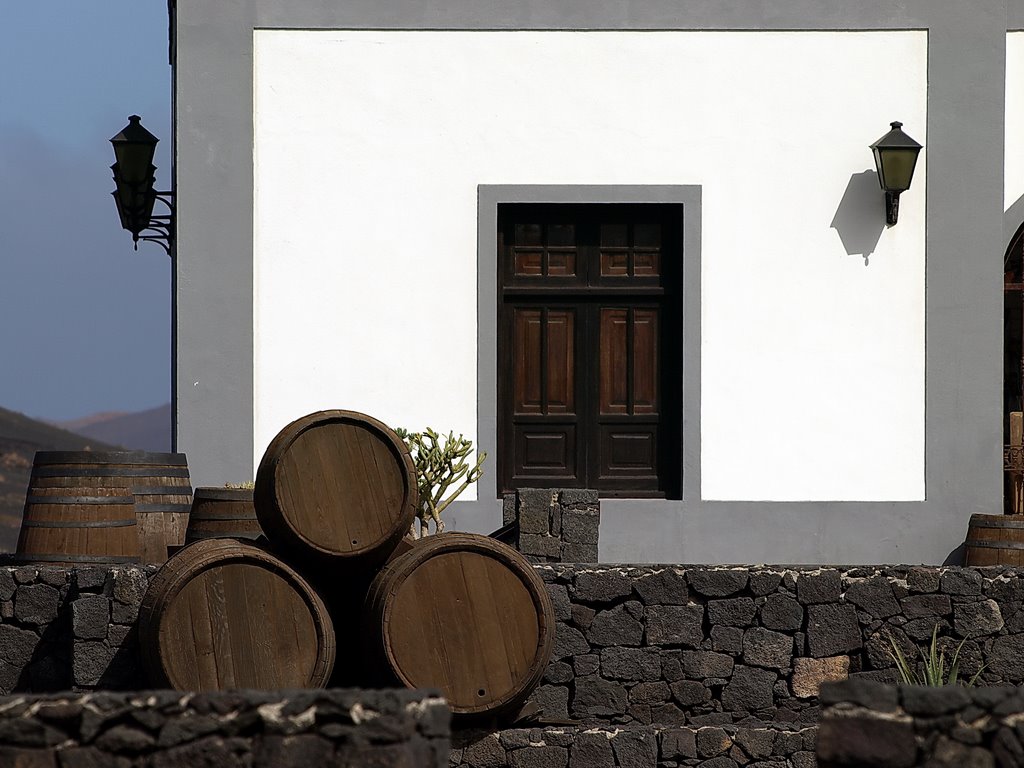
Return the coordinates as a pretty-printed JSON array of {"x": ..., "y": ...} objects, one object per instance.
[{"x": 590, "y": 348}]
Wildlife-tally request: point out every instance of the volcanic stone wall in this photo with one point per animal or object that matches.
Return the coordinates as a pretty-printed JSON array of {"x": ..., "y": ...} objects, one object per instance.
[
  {"x": 64, "y": 628},
  {"x": 670, "y": 645},
  {"x": 870, "y": 725},
  {"x": 256, "y": 729},
  {"x": 637, "y": 746},
  {"x": 647, "y": 644}
]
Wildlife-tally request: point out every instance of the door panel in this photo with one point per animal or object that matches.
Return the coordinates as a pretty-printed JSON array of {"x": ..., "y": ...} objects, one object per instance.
[{"x": 589, "y": 347}]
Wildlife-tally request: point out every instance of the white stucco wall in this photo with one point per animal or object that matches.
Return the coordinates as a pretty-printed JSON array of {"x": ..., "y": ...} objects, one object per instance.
[
  {"x": 1014, "y": 175},
  {"x": 369, "y": 146}
]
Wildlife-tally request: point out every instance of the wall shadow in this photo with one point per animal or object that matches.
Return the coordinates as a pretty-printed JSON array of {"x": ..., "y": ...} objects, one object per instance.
[{"x": 860, "y": 217}]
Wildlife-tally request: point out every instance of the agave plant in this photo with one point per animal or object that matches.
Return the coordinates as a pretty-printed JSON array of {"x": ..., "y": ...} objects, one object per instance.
[{"x": 933, "y": 668}]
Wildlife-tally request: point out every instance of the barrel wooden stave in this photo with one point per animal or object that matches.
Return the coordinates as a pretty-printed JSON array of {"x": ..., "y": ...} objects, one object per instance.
[
  {"x": 78, "y": 525},
  {"x": 465, "y": 614},
  {"x": 222, "y": 614},
  {"x": 338, "y": 486},
  {"x": 995, "y": 540},
  {"x": 159, "y": 481},
  {"x": 219, "y": 513}
]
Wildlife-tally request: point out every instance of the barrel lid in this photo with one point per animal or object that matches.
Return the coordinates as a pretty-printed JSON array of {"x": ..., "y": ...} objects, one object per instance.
[
  {"x": 338, "y": 482},
  {"x": 468, "y": 615}
]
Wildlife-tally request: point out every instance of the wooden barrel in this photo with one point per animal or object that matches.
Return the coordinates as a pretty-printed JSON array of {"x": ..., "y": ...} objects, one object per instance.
[
  {"x": 463, "y": 613},
  {"x": 159, "y": 482},
  {"x": 995, "y": 540},
  {"x": 221, "y": 614},
  {"x": 337, "y": 486},
  {"x": 78, "y": 525},
  {"x": 219, "y": 513}
]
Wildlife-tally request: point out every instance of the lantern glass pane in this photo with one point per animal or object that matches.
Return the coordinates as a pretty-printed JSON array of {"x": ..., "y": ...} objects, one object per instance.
[
  {"x": 897, "y": 168},
  {"x": 134, "y": 160}
]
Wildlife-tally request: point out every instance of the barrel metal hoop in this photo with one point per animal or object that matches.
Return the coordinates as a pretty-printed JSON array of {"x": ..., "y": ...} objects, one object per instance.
[
  {"x": 29, "y": 557},
  {"x": 996, "y": 544},
  {"x": 224, "y": 516},
  {"x": 1001, "y": 525},
  {"x": 150, "y": 508},
  {"x": 162, "y": 490},
  {"x": 197, "y": 535},
  {"x": 73, "y": 500},
  {"x": 110, "y": 472},
  {"x": 78, "y": 524}
]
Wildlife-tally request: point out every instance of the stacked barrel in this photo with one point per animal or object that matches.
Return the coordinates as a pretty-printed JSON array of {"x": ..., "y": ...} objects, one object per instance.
[
  {"x": 332, "y": 591},
  {"x": 88, "y": 507}
]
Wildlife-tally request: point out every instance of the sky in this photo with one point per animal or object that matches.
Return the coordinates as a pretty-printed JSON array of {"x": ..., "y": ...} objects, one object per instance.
[{"x": 84, "y": 319}]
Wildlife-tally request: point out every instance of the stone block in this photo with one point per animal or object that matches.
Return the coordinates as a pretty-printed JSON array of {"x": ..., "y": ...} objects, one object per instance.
[
  {"x": 615, "y": 627},
  {"x": 712, "y": 742},
  {"x": 17, "y": 645},
  {"x": 508, "y": 508},
  {"x": 559, "y": 595},
  {"x": 586, "y": 664},
  {"x": 582, "y": 616},
  {"x": 540, "y": 545},
  {"x": 755, "y": 742},
  {"x": 129, "y": 585},
  {"x": 809, "y": 674},
  {"x": 736, "y": 612},
  {"x": 717, "y": 582},
  {"x": 650, "y": 693},
  {"x": 572, "y": 552},
  {"x": 727, "y": 639},
  {"x": 581, "y": 526},
  {"x": 90, "y": 617},
  {"x": 631, "y": 664},
  {"x": 701, "y": 665},
  {"x": 690, "y": 693},
  {"x": 854, "y": 741},
  {"x": 635, "y": 749},
  {"x": 782, "y": 612},
  {"x": 602, "y": 586},
  {"x": 765, "y": 648},
  {"x": 764, "y": 582},
  {"x": 664, "y": 587},
  {"x": 873, "y": 596},
  {"x": 553, "y": 700},
  {"x": 926, "y": 606},
  {"x": 960, "y": 581},
  {"x": 596, "y": 697},
  {"x": 569, "y": 642},
  {"x": 89, "y": 662},
  {"x": 675, "y": 625},
  {"x": 980, "y": 618},
  {"x": 534, "y": 512},
  {"x": 678, "y": 743},
  {"x": 485, "y": 752},
  {"x": 832, "y": 630},
  {"x": 824, "y": 586},
  {"x": 750, "y": 689},
  {"x": 36, "y": 604},
  {"x": 591, "y": 750},
  {"x": 7, "y": 585}
]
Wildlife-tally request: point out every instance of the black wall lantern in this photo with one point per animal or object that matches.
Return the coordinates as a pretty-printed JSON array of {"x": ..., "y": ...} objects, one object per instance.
[
  {"x": 895, "y": 158},
  {"x": 134, "y": 177}
]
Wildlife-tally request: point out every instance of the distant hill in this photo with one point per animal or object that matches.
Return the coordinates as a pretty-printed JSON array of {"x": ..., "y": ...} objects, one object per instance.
[
  {"x": 148, "y": 430},
  {"x": 20, "y": 438}
]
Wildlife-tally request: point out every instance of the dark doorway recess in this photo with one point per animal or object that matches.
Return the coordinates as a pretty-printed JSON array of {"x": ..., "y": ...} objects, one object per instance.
[
  {"x": 590, "y": 348},
  {"x": 1013, "y": 353}
]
